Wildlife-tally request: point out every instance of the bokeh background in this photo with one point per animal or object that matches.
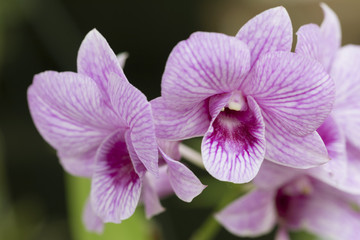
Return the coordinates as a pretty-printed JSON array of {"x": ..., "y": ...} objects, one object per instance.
[{"x": 37, "y": 199}]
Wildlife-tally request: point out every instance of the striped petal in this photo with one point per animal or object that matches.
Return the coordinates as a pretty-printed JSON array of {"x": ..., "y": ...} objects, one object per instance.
[
  {"x": 91, "y": 221},
  {"x": 330, "y": 36},
  {"x": 294, "y": 151},
  {"x": 201, "y": 66},
  {"x": 251, "y": 215},
  {"x": 308, "y": 41},
  {"x": 346, "y": 74},
  {"x": 97, "y": 60},
  {"x": 234, "y": 146},
  {"x": 151, "y": 199},
  {"x": 72, "y": 116},
  {"x": 133, "y": 108},
  {"x": 115, "y": 186},
  {"x": 183, "y": 181},
  {"x": 294, "y": 91},
  {"x": 180, "y": 124},
  {"x": 333, "y": 172},
  {"x": 269, "y": 31}
]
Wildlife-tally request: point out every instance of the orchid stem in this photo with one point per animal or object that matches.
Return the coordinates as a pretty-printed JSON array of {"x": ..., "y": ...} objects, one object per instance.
[{"x": 191, "y": 155}]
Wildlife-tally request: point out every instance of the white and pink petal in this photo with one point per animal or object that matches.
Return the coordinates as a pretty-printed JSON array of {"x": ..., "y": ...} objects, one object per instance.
[
  {"x": 251, "y": 215},
  {"x": 97, "y": 60},
  {"x": 294, "y": 91},
  {"x": 294, "y": 151},
  {"x": 69, "y": 111},
  {"x": 201, "y": 66},
  {"x": 183, "y": 181},
  {"x": 270, "y": 31},
  {"x": 115, "y": 186},
  {"x": 172, "y": 124},
  {"x": 135, "y": 112},
  {"x": 234, "y": 146}
]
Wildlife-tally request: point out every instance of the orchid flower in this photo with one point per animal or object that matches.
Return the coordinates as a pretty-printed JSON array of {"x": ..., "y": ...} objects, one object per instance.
[
  {"x": 323, "y": 44},
  {"x": 102, "y": 128},
  {"x": 295, "y": 202},
  {"x": 249, "y": 96}
]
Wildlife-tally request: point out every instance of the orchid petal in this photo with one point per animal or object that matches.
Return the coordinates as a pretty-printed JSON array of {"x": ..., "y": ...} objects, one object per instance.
[
  {"x": 346, "y": 74},
  {"x": 151, "y": 200},
  {"x": 272, "y": 176},
  {"x": 69, "y": 112},
  {"x": 330, "y": 36},
  {"x": 161, "y": 183},
  {"x": 133, "y": 108},
  {"x": 184, "y": 182},
  {"x": 294, "y": 151},
  {"x": 170, "y": 148},
  {"x": 97, "y": 60},
  {"x": 137, "y": 163},
  {"x": 234, "y": 146},
  {"x": 79, "y": 165},
  {"x": 320, "y": 43},
  {"x": 333, "y": 172},
  {"x": 251, "y": 215},
  {"x": 293, "y": 91},
  {"x": 328, "y": 213},
  {"x": 308, "y": 41},
  {"x": 115, "y": 187},
  {"x": 91, "y": 221},
  {"x": 177, "y": 125},
  {"x": 201, "y": 66},
  {"x": 269, "y": 31},
  {"x": 352, "y": 181}
]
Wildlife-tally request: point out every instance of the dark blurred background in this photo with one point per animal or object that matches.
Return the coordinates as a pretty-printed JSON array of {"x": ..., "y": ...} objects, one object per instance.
[{"x": 37, "y": 35}]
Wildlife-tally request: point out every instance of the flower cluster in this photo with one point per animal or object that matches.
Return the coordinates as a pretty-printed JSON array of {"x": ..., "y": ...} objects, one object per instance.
[{"x": 288, "y": 121}]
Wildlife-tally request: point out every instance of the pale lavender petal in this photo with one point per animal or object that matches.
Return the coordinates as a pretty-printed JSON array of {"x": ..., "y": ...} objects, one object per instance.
[
  {"x": 201, "y": 66},
  {"x": 180, "y": 124},
  {"x": 234, "y": 146},
  {"x": 115, "y": 187},
  {"x": 282, "y": 234},
  {"x": 333, "y": 172},
  {"x": 133, "y": 108},
  {"x": 346, "y": 73},
  {"x": 122, "y": 57},
  {"x": 294, "y": 91},
  {"x": 183, "y": 181},
  {"x": 79, "y": 165},
  {"x": 151, "y": 199},
  {"x": 273, "y": 176},
  {"x": 70, "y": 112},
  {"x": 251, "y": 215},
  {"x": 352, "y": 181},
  {"x": 330, "y": 36},
  {"x": 137, "y": 163},
  {"x": 269, "y": 31},
  {"x": 91, "y": 221},
  {"x": 161, "y": 183},
  {"x": 97, "y": 60},
  {"x": 170, "y": 148},
  {"x": 328, "y": 213},
  {"x": 308, "y": 41},
  {"x": 294, "y": 151}
]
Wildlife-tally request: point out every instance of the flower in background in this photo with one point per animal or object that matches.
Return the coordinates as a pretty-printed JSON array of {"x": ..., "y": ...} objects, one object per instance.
[
  {"x": 102, "y": 128},
  {"x": 249, "y": 96},
  {"x": 323, "y": 44},
  {"x": 295, "y": 202}
]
